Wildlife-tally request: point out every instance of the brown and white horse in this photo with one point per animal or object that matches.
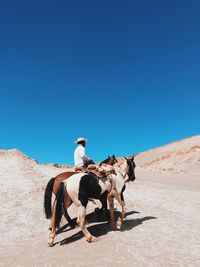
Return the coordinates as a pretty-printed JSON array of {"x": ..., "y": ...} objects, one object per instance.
[
  {"x": 53, "y": 185},
  {"x": 81, "y": 187}
]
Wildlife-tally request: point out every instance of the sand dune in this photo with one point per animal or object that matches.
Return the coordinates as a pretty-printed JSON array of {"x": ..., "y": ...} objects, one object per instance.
[{"x": 161, "y": 226}]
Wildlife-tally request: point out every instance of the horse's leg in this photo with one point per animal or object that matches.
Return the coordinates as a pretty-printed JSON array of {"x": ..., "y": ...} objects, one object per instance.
[
  {"x": 52, "y": 234},
  {"x": 81, "y": 223},
  {"x": 111, "y": 204},
  {"x": 68, "y": 203},
  {"x": 123, "y": 206},
  {"x": 104, "y": 207}
]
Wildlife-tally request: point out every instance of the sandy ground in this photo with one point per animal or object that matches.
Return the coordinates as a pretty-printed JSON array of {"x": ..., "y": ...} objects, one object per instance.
[{"x": 161, "y": 227}]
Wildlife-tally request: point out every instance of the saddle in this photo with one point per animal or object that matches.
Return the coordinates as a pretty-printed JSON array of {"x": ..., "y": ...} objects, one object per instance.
[{"x": 100, "y": 171}]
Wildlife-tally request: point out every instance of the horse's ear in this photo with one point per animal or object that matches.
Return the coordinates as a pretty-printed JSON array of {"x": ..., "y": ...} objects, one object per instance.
[{"x": 113, "y": 156}]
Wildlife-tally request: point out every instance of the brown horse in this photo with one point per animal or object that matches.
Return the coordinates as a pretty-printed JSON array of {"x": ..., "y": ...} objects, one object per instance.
[{"x": 53, "y": 185}]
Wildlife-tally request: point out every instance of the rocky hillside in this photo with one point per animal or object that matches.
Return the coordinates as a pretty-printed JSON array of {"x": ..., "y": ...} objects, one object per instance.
[
  {"x": 179, "y": 157},
  {"x": 20, "y": 168},
  {"x": 14, "y": 158}
]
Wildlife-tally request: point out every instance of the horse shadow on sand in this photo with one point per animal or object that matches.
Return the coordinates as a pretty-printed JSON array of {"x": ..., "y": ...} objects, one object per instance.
[{"x": 102, "y": 226}]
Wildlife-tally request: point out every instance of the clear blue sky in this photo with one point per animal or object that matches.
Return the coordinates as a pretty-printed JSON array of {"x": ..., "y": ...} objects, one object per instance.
[{"x": 125, "y": 74}]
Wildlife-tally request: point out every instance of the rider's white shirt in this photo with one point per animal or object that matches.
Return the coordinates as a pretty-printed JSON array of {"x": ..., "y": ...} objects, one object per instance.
[{"x": 79, "y": 153}]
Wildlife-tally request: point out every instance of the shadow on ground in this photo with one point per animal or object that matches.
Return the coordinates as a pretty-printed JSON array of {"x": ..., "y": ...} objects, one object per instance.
[{"x": 102, "y": 227}]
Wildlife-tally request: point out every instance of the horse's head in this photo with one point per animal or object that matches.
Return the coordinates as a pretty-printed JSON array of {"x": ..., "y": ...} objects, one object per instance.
[
  {"x": 130, "y": 168},
  {"x": 110, "y": 160}
]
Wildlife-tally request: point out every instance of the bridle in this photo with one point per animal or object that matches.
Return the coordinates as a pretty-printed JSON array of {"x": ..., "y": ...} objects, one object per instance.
[{"x": 130, "y": 173}]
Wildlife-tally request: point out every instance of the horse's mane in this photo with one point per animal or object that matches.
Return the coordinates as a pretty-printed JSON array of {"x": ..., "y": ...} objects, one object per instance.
[{"x": 104, "y": 161}]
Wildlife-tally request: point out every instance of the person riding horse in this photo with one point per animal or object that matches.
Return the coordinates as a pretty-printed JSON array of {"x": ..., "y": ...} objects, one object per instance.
[
  {"x": 83, "y": 163},
  {"x": 80, "y": 158}
]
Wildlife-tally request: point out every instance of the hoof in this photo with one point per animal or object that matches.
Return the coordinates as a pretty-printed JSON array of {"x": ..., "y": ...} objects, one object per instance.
[
  {"x": 50, "y": 243},
  {"x": 119, "y": 224},
  {"x": 91, "y": 239}
]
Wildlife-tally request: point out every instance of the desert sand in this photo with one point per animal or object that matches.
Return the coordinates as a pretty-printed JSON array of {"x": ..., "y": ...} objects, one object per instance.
[{"x": 161, "y": 227}]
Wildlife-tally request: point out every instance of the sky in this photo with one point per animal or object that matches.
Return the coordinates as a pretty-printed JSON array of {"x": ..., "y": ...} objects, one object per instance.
[{"x": 124, "y": 74}]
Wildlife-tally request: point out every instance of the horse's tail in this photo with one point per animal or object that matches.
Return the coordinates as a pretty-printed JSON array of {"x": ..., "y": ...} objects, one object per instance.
[
  {"x": 59, "y": 204},
  {"x": 47, "y": 198}
]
